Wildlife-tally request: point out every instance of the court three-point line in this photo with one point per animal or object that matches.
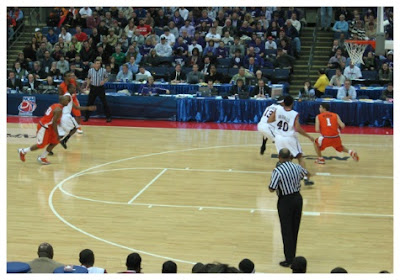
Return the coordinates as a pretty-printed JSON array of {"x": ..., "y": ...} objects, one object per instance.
[{"x": 148, "y": 185}]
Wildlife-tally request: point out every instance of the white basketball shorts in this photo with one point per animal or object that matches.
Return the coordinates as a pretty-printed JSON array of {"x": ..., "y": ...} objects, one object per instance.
[
  {"x": 67, "y": 124},
  {"x": 267, "y": 130},
  {"x": 292, "y": 143}
]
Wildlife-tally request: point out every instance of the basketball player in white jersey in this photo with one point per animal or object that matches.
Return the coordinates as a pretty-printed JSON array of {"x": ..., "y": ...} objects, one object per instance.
[
  {"x": 68, "y": 125},
  {"x": 267, "y": 129},
  {"x": 287, "y": 123}
]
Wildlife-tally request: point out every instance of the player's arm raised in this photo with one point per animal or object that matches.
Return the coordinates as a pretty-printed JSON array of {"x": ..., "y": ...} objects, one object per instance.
[
  {"x": 84, "y": 108},
  {"x": 272, "y": 118},
  {"x": 341, "y": 124},
  {"x": 317, "y": 124},
  {"x": 56, "y": 117},
  {"x": 300, "y": 130}
]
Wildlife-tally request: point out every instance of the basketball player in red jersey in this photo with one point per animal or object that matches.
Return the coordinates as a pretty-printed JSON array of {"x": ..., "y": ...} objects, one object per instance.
[
  {"x": 328, "y": 124},
  {"x": 47, "y": 133},
  {"x": 69, "y": 78}
]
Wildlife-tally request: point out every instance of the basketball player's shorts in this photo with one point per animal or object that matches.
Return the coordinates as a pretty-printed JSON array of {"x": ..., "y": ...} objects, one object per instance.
[
  {"x": 290, "y": 142},
  {"x": 325, "y": 142},
  {"x": 45, "y": 136},
  {"x": 76, "y": 112},
  {"x": 67, "y": 124},
  {"x": 267, "y": 130}
]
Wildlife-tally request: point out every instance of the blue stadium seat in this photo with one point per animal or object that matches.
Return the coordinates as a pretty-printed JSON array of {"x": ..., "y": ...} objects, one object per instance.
[
  {"x": 370, "y": 75},
  {"x": 222, "y": 70},
  {"x": 270, "y": 52},
  {"x": 330, "y": 73},
  {"x": 45, "y": 30},
  {"x": 281, "y": 74},
  {"x": 72, "y": 31},
  {"x": 286, "y": 87},
  {"x": 233, "y": 71},
  {"x": 88, "y": 31},
  {"x": 267, "y": 72},
  {"x": 159, "y": 31},
  {"x": 161, "y": 72},
  {"x": 224, "y": 62}
]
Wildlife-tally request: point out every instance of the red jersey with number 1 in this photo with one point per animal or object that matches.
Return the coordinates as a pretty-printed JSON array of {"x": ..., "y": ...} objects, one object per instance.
[{"x": 328, "y": 124}]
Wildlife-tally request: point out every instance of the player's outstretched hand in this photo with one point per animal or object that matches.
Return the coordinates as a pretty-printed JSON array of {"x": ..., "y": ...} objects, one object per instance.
[
  {"x": 92, "y": 108},
  {"x": 312, "y": 139}
]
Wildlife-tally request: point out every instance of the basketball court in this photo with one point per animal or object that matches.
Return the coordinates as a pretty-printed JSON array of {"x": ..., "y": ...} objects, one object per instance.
[{"x": 196, "y": 195}]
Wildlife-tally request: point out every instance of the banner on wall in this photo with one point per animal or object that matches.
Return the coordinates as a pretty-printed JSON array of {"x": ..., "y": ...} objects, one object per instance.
[{"x": 27, "y": 106}]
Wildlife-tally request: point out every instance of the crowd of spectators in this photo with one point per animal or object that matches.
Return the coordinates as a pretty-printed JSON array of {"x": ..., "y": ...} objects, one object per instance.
[
  {"x": 86, "y": 259},
  {"x": 254, "y": 38}
]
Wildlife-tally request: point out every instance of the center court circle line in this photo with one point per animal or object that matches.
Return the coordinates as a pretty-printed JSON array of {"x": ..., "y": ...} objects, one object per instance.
[{"x": 59, "y": 185}]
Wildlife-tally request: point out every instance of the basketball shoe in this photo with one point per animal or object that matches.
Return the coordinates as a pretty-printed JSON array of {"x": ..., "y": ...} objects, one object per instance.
[
  {"x": 354, "y": 155},
  {"x": 320, "y": 160},
  {"x": 43, "y": 161},
  {"x": 21, "y": 155}
]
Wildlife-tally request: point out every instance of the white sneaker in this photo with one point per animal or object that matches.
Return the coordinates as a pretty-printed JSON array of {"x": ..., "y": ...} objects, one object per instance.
[
  {"x": 80, "y": 131},
  {"x": 43, "y": 161}
]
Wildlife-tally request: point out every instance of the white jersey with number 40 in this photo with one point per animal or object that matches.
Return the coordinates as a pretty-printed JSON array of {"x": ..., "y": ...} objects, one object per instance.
[
  {"x": 268, "y": 112},
  {"x": 284, "y": 122}
]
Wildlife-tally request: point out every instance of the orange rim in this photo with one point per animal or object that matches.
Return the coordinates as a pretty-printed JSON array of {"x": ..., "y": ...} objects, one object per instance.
[{"x": 362, "y": 42}]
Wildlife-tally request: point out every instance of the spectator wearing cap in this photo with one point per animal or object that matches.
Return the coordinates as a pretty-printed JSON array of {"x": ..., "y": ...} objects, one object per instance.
[
  {"x": 163, "y": 48},
  {"x": 133, "y": 263},
  {"x": 86, "y": 258},
  {"x": 169, "y": 37},
  {"x": 270, "y": 43},
  {"x": 246, "y": 266},
  {"x": 44, "y": 263},
  {"x": 81, "y": 36},
  {"x": 299, "y": 264}
]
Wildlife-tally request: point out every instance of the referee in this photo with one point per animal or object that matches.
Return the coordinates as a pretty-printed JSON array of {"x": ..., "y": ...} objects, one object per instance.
[
  {"x": 97, "y": 77},
  {"x": 285, "y": 180}
]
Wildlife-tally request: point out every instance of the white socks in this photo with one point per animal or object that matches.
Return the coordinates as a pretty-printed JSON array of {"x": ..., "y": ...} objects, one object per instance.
[
  {"x": 44, "y": 155},
  {"x": 26, "y": 150}
]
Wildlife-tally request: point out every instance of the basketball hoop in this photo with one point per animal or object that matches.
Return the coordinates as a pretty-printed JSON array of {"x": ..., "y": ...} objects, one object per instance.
[{"x": 356, "y": 48}]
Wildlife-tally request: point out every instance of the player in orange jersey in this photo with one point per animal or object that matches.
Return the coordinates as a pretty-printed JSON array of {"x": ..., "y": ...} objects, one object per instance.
[
  {"x": 47, "y": 133},
  {"x": 329, "y": 125},
  {"x": 69, "y": 78}
]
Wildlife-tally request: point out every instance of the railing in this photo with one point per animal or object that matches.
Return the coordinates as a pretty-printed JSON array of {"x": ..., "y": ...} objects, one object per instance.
[
  {"x": 30, "y": 19},
  {"x": 311, "y": 56}
]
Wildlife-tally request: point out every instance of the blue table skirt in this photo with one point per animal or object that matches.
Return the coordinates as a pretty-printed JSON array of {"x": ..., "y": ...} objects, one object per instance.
[
  {"x": 212, "y": 110},
  {"x": 250, "y": 111}
]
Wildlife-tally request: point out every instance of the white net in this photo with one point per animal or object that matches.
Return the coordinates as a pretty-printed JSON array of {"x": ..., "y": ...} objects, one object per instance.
[{"x": 355, "y": 52}]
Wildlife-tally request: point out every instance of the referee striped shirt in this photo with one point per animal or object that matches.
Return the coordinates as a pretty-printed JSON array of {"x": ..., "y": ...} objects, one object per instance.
[
  {"x": 96, "y": 76},
  {"x": 286, "y": 178}
]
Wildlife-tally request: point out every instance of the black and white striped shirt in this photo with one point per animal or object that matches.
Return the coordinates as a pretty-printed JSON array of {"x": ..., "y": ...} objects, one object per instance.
[
  {"x": 286, "y": 178},
  {"x": 96, "y": 76}
]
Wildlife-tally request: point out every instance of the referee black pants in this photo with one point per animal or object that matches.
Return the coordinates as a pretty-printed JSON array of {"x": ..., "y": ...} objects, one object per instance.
[
  {"x": 101, "y": 93},
  {"x": 289, "y": 209}
]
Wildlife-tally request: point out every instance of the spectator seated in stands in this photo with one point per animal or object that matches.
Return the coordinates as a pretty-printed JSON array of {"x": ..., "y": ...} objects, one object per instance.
[
  {"x": 347, "y": 92},
  {"x": 299, "y": 265},
  {"x": 385, "y": 74},
  {"x": 221, "y": 51},
  {"x": 293, "y": 34},
  {"x": 306, "y": 91},
  {"x": 227, "y": 39},
  {"x": 252, "y": 66},
  {"x": 240, "y": 89},
  {"x": 40, "y": 52},
  {"x": 143, "y": 71},
  {"x": 88, "y": 54},
  {"x": 338, "y": 79},
  {"x": 387, "y": 94},
  {"x": 205, "y": 67},
  {"x": 119, "y": 56},
  {"x": 37, "y": 71},
  {"x": 352, "y": 72},
  {"x": 243, "y": 74},
  {"x": 13, "y": 82},
  {"x": 132, "y": 65},
  {"x": 49, "y": 87},
  {"x": 66, "y": 36},
  {"x": 210, "y": 48},
  {"x": 246, "y": 266},
  {"x": 195, "y": 58},
  {"x": 261, "y": 90},
  {"x": 369, "y": 62},
  {"x": 321, "y": 84},
  {"x": 133, "y": 263},
  {"x": 270, "y": 44},
  {"x": 124, "y": 75},
  {"x": 44, "y": 263},
  {"x": 169, "y": 266},
  {"x": 195, "y": 76},
  {"x": 259, "y": 76},
  {"x": 389, "y": 59},
  {"x": 123, "y": 42},
  {"x": 76, "y": 43},
  {"x": 163, "y": 49},
  {"x": 283, "y": 60},
  {"x": 86, "y": 258},
  {"x": 180, "y": 45},
  {"x": 337, "y": 61},
  {"x": 22, "y": 61},
  {"x": 80, "y": 35},
  {"x": 169, "y": 37},
  {"x": 237, "y": 59},
  {"x": 335, "y": 47},
  {"x": 236, "y": 46},
  {"x": 340, "y": 26},
  {"x": 188, "y": 28},
  {"x": 259, "y": 47},
  {"x": 54, "y": 72},
  {"x": 178, "y": 76},
  {"x": 194, "y": 45},
  {"x": 151, "y": 89},
  {"x": 251, "y": 53},
  {"x": 213, "y": 75},
  {"x": 370, "y": 33},
  {"x": 20, "y": 73},
  {"x": 63, "y": 65},
  {"x": 51, "y": 37}
]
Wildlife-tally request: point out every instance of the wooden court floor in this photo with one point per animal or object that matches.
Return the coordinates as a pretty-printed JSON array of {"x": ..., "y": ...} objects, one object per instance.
[{"x": 195, "y": 196}]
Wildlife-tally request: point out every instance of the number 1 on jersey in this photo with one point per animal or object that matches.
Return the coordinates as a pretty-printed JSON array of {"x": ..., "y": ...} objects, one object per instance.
[{"x": 328, "y": 122}]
